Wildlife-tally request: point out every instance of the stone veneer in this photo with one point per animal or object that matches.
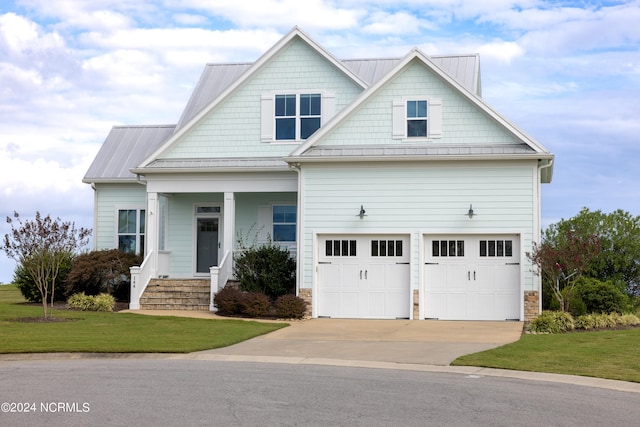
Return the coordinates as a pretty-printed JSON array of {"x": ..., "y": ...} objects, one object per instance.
[
  {"x": 531, "y": 305},
  {"x": 416, "y": 304},
  {"x": 305, "y": 294}
]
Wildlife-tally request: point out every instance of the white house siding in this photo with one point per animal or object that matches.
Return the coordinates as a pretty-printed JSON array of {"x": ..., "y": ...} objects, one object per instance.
[
  {"x": 462, "y": 122},
  {"x": 419, "y": 199},
  {"x": 233, "y": 128},
  {"x": 110, "y": 198}
]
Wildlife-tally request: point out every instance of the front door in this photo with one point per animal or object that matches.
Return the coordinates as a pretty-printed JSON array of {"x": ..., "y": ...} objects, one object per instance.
[{"x": 207, "y": 244}]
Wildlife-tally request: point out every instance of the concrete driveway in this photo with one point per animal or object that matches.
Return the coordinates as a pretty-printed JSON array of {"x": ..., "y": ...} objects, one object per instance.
[{"x": 426, "y": 342}]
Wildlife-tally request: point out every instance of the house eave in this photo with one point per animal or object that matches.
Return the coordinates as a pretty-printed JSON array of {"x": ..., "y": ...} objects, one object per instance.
[{"x": 418, "y": 158}]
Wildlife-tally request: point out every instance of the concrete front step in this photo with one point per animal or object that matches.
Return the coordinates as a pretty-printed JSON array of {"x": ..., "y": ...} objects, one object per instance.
[{"x": 199, "y": 307}]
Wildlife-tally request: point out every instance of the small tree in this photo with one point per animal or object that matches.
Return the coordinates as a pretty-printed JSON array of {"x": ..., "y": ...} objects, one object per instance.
[
  {"x": 41, "y": 246},
  {"x": 564, "y": 261}
]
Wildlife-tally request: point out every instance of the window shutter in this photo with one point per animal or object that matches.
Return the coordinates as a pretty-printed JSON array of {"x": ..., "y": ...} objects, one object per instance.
[
  {"x": 328, "y": 107},
  {"x": 435, "y": 118},
  {"x": 267, "y": 114},
  {"x": 399, "y": 120}
]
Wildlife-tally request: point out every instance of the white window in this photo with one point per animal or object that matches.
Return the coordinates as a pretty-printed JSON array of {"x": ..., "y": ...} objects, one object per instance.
[
  {"x": 417, "y": 118},
  {"x": 291, "y": 117},
  {"x": 131, "y": 230},
  {"x": 284, "y": 223}
]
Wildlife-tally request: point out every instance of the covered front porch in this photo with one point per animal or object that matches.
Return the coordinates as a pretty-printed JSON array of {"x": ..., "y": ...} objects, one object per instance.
[{"x": 191, "y": 236}]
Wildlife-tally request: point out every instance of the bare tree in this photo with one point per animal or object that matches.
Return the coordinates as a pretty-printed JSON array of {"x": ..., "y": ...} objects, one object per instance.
[{"x": 41, "y": 246}]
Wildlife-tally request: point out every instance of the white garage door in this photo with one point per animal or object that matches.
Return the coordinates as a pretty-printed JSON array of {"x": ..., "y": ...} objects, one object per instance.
[
  {"x": 363, "y": 277},
  {"x": 472, "y": 277}
]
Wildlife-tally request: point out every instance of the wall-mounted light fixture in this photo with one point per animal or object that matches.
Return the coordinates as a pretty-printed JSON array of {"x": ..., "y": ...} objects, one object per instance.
[
  {"x": 470, "y": 214},
  {"x": 362, "y": 212}
]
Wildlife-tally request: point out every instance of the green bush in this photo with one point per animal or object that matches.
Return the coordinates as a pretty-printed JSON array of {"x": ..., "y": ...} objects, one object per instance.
[
  {"x": 83, "y": 302},
  {"x": 105, "y": 271},
  {"x": 268, "y": 269},
  {"x": 573, "y": 305},
  {"x": 290, "y": 307},
  {"x": 552, "y": 322},
  {"x": 255, "y": 304},
  {"x": 29, "y": 288},
  {"x": 601, "y": 297},
  {"x": 104, "y": 302},
  {"x": 229, "y": 301}
]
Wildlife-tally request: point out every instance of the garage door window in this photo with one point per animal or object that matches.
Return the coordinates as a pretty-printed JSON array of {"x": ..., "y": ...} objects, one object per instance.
[
  {"x": 386, "y": 248},
  {"x": 496, "y": 248},
  {"x": 340, "y": 248},
  {"x": 447, "y": 248}
]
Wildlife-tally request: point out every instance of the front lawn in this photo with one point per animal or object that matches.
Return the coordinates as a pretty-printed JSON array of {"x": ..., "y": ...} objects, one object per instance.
[
  {"x": 611, "y": 354},
  {"x": 83, "y": 331}
]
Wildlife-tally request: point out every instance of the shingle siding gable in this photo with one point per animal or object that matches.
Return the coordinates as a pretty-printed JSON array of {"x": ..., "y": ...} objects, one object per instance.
[
  {"x": 233, "y": 128},
  {"x": 462, "y": 122}
]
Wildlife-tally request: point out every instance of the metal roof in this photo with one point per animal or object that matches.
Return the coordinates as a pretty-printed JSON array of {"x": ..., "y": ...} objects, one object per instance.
[
  {"x": 124, "y": 148},
  {"x": 422, "y": 150},
  {"x": 127, "y": 146},
  {"x": 216, "y": 78},
  {"x": 465, "y": 69},
  {"x": 252, "y": 163}
]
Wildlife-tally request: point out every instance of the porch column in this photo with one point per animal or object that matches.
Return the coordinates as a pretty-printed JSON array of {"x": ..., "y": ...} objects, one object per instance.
[
  {"x": 151, "y": 232},
  {"x": 229, "y": 219}
]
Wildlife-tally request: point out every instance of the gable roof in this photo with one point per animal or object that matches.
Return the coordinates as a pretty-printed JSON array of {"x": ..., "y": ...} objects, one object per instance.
[
  {"x": 125, "y": 147},
  {"x": 294, "y": 34},
  {"x": 527, "y": 147}
]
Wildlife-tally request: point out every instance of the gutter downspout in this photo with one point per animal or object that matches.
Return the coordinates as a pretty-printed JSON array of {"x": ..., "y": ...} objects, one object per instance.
[{"x": 300, "y": 243}]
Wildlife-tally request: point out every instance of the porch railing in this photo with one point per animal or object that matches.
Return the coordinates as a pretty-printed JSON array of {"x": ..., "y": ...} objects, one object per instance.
[
  {"x": 140, "y": 277},
  {"x": 220, "y": 274}
]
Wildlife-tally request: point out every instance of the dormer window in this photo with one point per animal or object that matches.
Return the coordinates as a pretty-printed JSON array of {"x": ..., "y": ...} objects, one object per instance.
[{"x": 291, "y": 117}]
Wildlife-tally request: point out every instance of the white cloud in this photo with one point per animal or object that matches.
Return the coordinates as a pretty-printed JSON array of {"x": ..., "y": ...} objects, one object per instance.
[
  {"x": 399, "y": 23},
  {"x": 281, "y": 14}
]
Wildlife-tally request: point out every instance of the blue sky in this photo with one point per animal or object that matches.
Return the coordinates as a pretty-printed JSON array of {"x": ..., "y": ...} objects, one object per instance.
[{"x": 565, "y": 72}]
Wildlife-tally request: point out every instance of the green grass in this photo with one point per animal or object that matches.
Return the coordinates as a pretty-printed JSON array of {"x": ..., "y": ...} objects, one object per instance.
[
  {"x": 611, "y": 354},
  {"x": 114, "y": 332}
]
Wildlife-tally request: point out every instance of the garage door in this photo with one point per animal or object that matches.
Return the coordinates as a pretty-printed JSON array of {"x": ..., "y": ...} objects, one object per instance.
[
  {"x": 472, "y": 277},
  {"x": 363, "y": 276}
]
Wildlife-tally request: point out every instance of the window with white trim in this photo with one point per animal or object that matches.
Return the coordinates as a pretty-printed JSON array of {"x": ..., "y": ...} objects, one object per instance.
[
  {"x": 131, "y": 230},
  {"x": 297, "y": 115},
  {"x": 417, "y": 118},
  {"x": 284, "y": 223},
  {"x": 294, "y": 117}
]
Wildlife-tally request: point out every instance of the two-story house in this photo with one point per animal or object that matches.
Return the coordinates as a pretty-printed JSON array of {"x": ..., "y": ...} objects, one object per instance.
[{"x": 400, "y": 192}]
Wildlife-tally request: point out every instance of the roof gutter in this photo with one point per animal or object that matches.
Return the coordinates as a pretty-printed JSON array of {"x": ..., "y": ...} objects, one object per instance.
[{"x": 404, "y": 158}]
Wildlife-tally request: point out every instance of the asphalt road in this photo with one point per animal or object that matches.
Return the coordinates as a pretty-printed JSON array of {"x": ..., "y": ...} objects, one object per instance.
[{"x": 152, "y": 392}]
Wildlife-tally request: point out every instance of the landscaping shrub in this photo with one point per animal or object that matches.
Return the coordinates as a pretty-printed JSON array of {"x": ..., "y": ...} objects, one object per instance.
[
  {"x": 104, "y": 302},
  {"x": 290, "y": 307},
  {"x": 602, "y": 297},
  {"x": 105, "y": 271},
  {"x": 29, "y": 288},
  {"x": 229, "y": 301},
  {"x": 552, "y": 322},
  {"x": 255, "y": 304},
  {"x": 268, "y": 269},
  {"x": 606, "y": 320},
  {"x": 84, "y": 302},
  {"x": 574, "y": 305}
]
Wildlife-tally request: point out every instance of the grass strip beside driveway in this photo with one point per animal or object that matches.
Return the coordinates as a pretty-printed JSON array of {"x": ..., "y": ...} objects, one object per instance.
[
  {"x": 83, "y": 331},
  {"x": 610, "y": 354}
]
